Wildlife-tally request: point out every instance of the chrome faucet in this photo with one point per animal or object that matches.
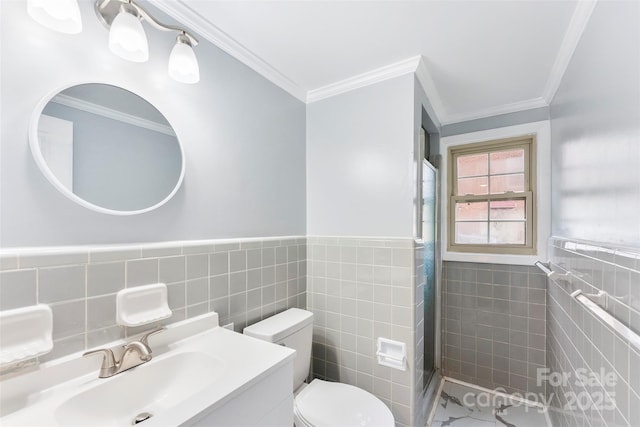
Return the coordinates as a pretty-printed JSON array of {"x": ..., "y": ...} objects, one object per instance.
[{"x": 133, "y": 354}]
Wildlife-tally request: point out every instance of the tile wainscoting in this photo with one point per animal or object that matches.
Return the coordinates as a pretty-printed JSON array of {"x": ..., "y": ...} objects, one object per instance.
[
  {"x": 244, "y": 280},
  {"x": 580, "y": 345},
  {"x": 360, "y": 289},
  {"x": 500, "y": 323},
  {"x": 493, "y": 318}
]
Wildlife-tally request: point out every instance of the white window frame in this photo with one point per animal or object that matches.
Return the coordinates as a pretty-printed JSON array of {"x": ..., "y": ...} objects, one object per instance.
[{"x": 542, "y": 133}]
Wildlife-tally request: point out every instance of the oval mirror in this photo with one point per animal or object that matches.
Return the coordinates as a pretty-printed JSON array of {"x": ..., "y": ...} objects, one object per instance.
[{"x": 107, "y": 149}]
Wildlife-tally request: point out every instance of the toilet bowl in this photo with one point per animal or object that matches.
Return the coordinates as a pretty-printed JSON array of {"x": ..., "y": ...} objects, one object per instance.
[
  {"x": 319, "y": 403},
  {"x": 324, "y": 403}
]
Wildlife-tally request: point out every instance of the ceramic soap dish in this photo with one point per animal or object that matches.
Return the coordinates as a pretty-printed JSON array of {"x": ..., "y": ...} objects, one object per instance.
[
  {"x": 25, "y": 333},
  {"x": 142, "y": 304}
]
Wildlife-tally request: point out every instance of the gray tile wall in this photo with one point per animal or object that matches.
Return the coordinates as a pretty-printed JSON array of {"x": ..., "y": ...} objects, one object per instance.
[
  {"x": 360, "y": 289},
  {"x": 580, "y": 344},
  {"x": 493, "y": 319},
  {"x": 243, "y": 280}
]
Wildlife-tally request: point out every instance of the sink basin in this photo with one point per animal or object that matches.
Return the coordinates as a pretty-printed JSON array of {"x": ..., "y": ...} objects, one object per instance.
[
  {"x": 153, "y": 389},
  {"x": 201, "y": 375}
]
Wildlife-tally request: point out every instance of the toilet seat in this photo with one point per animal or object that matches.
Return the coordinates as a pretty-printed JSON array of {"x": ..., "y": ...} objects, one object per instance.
[{"x": 330, "y": 404}]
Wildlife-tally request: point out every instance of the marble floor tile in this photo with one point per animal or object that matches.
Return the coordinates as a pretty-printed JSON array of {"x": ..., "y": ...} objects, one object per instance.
[{"x": 463, "y": 406}]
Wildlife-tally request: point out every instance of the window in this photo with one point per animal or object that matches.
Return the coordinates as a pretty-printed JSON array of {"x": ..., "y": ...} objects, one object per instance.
[{"x": 492, "y": 197}]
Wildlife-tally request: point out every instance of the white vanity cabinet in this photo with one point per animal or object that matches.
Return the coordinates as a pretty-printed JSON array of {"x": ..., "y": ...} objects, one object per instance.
[{"x": 267, "y": 403}]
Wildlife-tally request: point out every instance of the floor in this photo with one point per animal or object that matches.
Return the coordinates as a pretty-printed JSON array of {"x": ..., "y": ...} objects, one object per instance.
[{"x": 463, "y": 406}]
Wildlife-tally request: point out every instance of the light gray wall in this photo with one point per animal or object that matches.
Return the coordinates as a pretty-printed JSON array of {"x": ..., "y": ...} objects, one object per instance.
[
  {"x": 595, "y": 125},
  {"x": 424, "y": 116},
  {"x": 360, "y": 167},
  {"x": 494, "y": 122},
  {"x": 244, "y": 140}
]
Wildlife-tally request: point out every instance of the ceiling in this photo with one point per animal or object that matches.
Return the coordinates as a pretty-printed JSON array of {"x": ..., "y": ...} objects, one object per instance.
[{"x": 474, "y": 58}]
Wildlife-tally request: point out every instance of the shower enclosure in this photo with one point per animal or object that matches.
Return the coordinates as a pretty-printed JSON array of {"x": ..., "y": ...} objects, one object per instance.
[
  {"x": 428, "y": 266},
  {"x": 429, "y": 234}
]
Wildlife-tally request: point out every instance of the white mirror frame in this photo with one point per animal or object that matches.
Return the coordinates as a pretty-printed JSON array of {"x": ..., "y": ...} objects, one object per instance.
[{"x": 44, "y": 168}]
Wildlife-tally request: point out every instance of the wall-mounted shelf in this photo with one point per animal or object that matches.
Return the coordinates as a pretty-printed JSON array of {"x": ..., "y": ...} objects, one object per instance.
[
  {"x": 25, "y": 333},
  {"x": 142, "y": 305}
]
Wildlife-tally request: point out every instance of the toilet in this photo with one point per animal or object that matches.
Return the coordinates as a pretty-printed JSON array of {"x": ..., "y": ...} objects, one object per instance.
[{"x": 319, "y": 403}]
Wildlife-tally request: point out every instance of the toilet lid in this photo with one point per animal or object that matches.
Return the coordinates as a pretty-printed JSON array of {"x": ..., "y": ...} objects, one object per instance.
[{"x": 324, "y": 403}]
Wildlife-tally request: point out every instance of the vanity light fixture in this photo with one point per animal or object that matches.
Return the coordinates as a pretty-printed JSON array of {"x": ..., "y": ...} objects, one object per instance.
[
  {"x": 58, "y": 15},
  {"x": 183, "y": 64},
  {"x": 127, "y": 38}
]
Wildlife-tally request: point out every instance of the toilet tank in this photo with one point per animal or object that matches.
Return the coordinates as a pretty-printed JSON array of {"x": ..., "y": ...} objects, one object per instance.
[{"x": 292, "y": 328}]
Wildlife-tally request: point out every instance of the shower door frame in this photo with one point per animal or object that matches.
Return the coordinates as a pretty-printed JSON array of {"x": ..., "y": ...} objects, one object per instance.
[
  {"x": 437, "y": 272},
  {"x": 431, "y": 390}
]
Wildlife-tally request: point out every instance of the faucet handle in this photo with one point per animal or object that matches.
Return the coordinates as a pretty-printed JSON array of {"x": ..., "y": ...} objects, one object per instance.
[
  {"x": 108, "y": 361},
  {"x": 145, "y": 338}
]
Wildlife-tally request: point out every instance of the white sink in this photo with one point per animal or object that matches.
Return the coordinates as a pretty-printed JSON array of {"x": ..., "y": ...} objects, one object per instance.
[
  {"x": 200, "y": 374},
  {"x": 151, "y": 388}
]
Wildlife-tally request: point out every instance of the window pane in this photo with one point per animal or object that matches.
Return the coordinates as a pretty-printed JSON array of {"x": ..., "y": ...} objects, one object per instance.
[
  {"x": 469, "y": 211},
  {"x": 473, "y": 186},
  {"x": 471, "y": 232},
  {"x": 507, "y": 233},
  {"x": 503, "y": 183},
  {"x": 473, "y": 165},
  {"x": 508, "y": 209},
  {"x": 507, "y": 161}
]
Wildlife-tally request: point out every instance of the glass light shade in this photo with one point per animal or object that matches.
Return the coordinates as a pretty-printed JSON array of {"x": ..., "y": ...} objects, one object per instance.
[
  {"x": 127, "y": 38},
  {"x": 183, "y": 64},
  {"x": 58, "y": 15}
]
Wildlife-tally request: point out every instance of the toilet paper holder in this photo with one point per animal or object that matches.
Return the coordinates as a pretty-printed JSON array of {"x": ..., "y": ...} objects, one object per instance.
[{"x": 392, "y": 353}]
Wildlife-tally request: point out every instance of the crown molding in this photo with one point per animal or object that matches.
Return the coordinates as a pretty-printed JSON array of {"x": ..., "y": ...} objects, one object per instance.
[
  {"x": 365, "y": 79},
  {"x": 497, "y": 110},
  {"x": 430, "y": 89},
  {"x": 101, "y": 110},
  {"x": 579, "y": 20},
  {"x": 182, "y": 13}
]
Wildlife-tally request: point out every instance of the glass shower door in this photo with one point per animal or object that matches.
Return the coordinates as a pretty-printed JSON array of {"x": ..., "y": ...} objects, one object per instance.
[{"x": 429, "y": 227}]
